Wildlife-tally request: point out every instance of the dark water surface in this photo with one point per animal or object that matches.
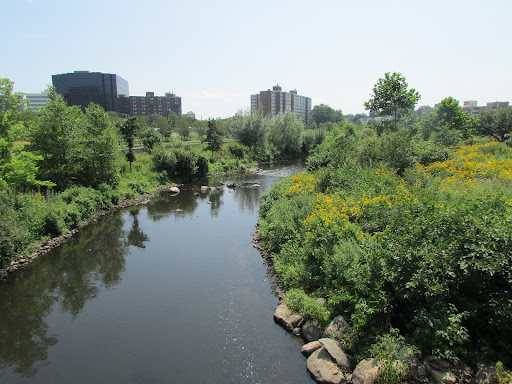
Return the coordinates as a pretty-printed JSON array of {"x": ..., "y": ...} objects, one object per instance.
[{"x": 172, "y": 292}]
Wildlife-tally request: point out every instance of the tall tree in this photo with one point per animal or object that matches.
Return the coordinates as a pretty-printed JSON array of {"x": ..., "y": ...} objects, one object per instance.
[
  {"x": 392, "y": 98},
  {"x": 249, "y": 128},
  {"x": 10, "y": 106},
  {"x": 213, "y": 137},
  {"x": 448, "y": 116},
  {"x": 497, "y": 124},
  {"x": 285, "y": 133},
  {"x": 183, "y": 128},
  {"x": 129, "y": 130}
]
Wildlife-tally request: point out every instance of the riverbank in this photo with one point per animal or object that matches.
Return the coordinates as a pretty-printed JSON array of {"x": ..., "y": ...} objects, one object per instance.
[{"x": 45, "y": 246}]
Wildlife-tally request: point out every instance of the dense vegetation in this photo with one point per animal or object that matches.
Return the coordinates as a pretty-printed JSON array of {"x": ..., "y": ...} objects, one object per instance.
[
  {"x": 407, "y": 234},
  {"x": 60, "y": 167}
]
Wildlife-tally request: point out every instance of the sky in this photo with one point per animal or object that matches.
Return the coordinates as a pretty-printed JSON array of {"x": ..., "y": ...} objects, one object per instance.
[{"x": 215, "y": 54}]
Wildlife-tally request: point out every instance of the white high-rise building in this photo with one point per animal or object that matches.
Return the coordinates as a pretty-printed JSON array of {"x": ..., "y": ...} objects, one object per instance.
[
  {"x": 37, "y": 100},
  {"x": 275, "y": 101}
]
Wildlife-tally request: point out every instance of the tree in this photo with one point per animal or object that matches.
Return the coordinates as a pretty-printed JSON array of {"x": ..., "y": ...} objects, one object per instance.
[
  {"x": 172, "y": 118},
  {"x": 497, "y": 124},
  {"x": 285, "y": 133},
  {"x": 391, "y": 97},
  {"x": 249, "y": 128},
  {"x": 213, "y": 137},
  {"x": 52, "y": 137},
  {"x": 448, "y": 116},
  {"x": 183, "y": 128},
  {"x": 10, "y": 106},
  {"x": 150, "y": 139},
  {"x": 322, "y": 114},
  {"x": 129, "y": 131},
  {"x": 163, "y": 126}
]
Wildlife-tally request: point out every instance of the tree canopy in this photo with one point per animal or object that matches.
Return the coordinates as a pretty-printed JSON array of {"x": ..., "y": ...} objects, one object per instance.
[
  {"x": 322, "y": 114},
  {"x": 392, "y": 98}
]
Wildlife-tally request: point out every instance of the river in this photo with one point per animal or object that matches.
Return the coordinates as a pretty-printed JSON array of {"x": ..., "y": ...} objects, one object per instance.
[{"x": 171, "y": 292}]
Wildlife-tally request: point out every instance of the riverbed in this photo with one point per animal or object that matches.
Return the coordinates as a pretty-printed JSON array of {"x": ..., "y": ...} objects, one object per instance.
[{"x": 170, "y": 292}]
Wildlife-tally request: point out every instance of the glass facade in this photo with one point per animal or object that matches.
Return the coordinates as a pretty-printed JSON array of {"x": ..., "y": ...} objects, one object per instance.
[{"x": 82, "y": 88}]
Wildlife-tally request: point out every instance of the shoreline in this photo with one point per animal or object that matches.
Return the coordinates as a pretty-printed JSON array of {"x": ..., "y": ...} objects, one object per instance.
[{"x": 45, "y": 247}]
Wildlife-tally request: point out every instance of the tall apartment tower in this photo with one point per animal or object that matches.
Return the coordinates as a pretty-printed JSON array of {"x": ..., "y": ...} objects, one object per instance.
[
  {"x": 83, "y": 87},
  {"x": 473, "y": 109},
  {"x": 151, "y": 104},
  {"x": 275, "y": 101}
]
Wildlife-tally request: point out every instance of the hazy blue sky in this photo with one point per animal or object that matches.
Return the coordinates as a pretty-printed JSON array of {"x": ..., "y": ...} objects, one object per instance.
[{"x": 215, "y": 54}]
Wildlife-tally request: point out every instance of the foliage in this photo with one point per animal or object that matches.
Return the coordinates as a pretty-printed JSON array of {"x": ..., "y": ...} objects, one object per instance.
[
  {"x": 180, "y": 164},
  {"x": 150, "y": 139},
  {"x": 182, "y": 126},
  {"x": 322, "y": 113},
  {"x": 392, "y": 98},
  {"x": 249, "y": 128},
  {"x": 497, "y": 124},
  {"x": 129, "y": 130},
  {"x": 428, "y": 252},
  {"x": 285, "y": 134},
  {"x": 213, "y": 137},
  {"x": 237, "y": 150}
]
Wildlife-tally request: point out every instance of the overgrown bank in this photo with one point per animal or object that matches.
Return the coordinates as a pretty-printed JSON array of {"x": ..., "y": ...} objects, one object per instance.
[{"x": 421, "y": 259}]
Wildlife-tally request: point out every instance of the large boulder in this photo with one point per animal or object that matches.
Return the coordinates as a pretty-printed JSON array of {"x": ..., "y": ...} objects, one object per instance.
[
  {"x": 309, "y": 348},
  {"x": 204, "y": 188},
  {"x": 324, "y": 369},
  {"x": 338, "y": 326},
  {"x": 174, "y": 190},
  {"x": 310, "y": 331},
  {"x": 286, "y": 318},
  {"x": 366, "y": 372},
  {"x": 440, "y": 370},
  {"x": 334, "y": 349}
]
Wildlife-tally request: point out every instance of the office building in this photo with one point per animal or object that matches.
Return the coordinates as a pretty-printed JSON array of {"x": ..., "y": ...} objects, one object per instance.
[
  {"x": 37, "y": 100},
  {"x": 83, "y": 87},
  {"x": 275, "y": 101},
  {"x": 472, "y": 108},
  {"x": 151, "y": 104}
]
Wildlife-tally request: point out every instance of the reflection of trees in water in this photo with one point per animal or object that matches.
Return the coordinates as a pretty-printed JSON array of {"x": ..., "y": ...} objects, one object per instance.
[
  {"x": 70, "y": 275},
  {"x": 165, "y": 204},
  {"x": 216, "y": 199},
  {"x": 136, "y": 237},
  {"x": 248, "y": 197}
]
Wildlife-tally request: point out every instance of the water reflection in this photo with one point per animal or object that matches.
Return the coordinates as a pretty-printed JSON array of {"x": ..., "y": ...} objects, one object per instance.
[
  {"x": 69, "y": 276},
  {"x": 136, "y": 236}
]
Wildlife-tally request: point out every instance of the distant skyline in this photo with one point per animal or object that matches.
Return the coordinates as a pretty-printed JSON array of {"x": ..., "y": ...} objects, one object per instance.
[{"x": 216, "y": 54}]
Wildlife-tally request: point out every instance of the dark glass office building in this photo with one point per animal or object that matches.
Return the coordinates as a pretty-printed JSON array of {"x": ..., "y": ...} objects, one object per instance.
[{"x": 83, "y": 87}]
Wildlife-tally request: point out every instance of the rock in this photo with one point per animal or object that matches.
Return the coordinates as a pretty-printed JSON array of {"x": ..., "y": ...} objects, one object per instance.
[
  {"x": 286, "y": 318},
  {"x": 212, "y": 189},
  {"x": 485, "y": 373},
  {"x": 321, "y": 302},
  {"x": 337, "y": 326},
  {"x": 174, "y": 190},
  {"x": 311, "y": 331},
  {"x": 204, "y": 188},
  {"x": 334, "y": 349},
  {"x": 209, "y": 202},
  {"x": 309, "y": 348},
  {"x": 440, "y": 370},
  {"x": 323, "y": 369},
  {"x": 255, "y": 185},
  {"x": 366, "y": 372},
  {"x": 231, "y": 185},
  {"x": 197, "y": 194}
]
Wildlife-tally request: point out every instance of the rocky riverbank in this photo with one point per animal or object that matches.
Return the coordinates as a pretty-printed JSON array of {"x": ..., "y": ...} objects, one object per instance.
[
  {"x": 43, "y": 248},
  {"x": 328, "y": 363}
]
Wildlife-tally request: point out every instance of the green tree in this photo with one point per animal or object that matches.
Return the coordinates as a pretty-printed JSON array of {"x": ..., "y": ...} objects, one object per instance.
[
  {"x": 129, "y": 130},
  {"x": 150, "y": 139},
  {"x": 213, "y": 137},
  {"x": 392, "y": 98},
  {"x": 10, "y": 106},
  {"x": 322, "y": 114},
  {"x": 249, "y": 128},
  {"x": 94, "y": 148},
  {"x": 285, "y": 133},
  {"x": 163, "y": 126},
  {"x": 172, "y": 118},
  {"x": 52, "y": 138},
  {"x": 497, "y": 124},
  {"x": 183, "y": 128},
  {"x": 448, "y": 113}
]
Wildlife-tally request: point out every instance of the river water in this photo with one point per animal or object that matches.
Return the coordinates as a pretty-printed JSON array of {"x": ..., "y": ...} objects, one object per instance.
[{"x": 172, "y": 292}]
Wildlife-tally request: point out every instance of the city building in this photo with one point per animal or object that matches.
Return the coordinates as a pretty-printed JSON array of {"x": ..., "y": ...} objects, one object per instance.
[
  {"x": 151, "y": 104},
  {"x": 37, "y": 100},
  {"x": 83, "y": 87},
  {"x": 275, "y": 101},
  {"x": 472, "y": 108}
]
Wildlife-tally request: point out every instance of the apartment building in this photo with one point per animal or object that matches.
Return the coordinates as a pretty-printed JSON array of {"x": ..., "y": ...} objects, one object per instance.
[
  {"x": 151, "y": 104},
  {"x": 473, "y": 109},
  {"x": 275, "y": 101}
]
